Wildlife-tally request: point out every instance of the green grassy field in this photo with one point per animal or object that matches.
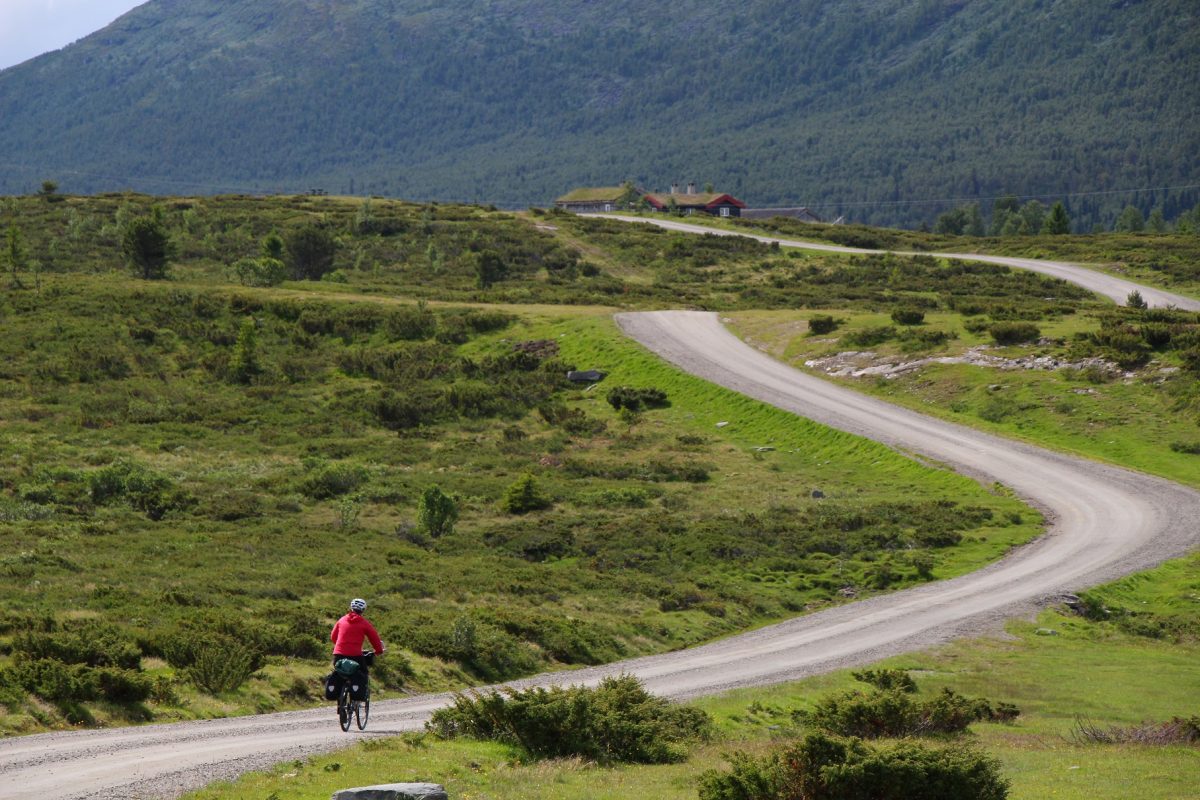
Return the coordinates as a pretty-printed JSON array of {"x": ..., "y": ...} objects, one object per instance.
[
  {"x": 1059, "y": 670},
  {"x": 663, "y": 530},
  {"x": 1143, "y": 416},
  {"x": 189, "y": 457}
]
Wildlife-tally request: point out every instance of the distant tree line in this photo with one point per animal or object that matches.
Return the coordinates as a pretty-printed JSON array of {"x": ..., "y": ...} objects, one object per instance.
[{"x": 1010, "y": 217}]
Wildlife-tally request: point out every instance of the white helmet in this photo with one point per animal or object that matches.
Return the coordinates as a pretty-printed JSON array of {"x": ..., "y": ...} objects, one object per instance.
[{"x": 358, "y": 605}]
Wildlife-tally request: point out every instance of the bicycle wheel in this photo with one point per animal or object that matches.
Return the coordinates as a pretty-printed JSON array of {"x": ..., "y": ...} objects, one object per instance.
[
  {"x": 344, "y": 710},
  {"x": 362, "y": 709}
]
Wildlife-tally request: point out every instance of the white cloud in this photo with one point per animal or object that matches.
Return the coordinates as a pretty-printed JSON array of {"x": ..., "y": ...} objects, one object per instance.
[{"x": 32, "y": 27}]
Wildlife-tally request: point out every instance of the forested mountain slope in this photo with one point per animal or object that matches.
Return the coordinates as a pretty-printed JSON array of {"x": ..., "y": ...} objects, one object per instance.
[{"x": 866, "y": 104}]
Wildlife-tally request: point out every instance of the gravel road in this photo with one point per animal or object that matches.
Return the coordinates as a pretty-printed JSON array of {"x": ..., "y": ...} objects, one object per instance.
[
  {"x": 1105, "y": 522},
  {"x": 1116, "y": 289}
]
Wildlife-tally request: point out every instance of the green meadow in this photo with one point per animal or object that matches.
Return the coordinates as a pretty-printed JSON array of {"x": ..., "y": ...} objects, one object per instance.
[
  {"x": 1065, "y": 673},
  {"x": 213, "y": 463}
]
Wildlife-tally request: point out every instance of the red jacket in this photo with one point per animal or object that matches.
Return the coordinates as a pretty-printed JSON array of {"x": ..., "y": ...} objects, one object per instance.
[{"x": 348, "y": 634}]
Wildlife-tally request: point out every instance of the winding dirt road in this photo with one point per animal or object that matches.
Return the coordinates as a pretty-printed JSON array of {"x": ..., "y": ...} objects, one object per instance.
[
  {"x": 1116, "y": 289},
  {"x": 1105, "y": 522}
]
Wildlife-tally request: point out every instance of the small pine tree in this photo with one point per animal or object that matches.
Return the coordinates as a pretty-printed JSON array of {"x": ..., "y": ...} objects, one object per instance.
[
  {"x": 243, "y": 364},
  {"x": 310, "y": 252},
  {"x": 489, "y": 268},
  {"x": 524, "y": 496},
  {"x": 146, "y": 245},
  {"x": 1057, "y": 223},
  {"x": 436, "y": 512},
  {"x": 15, "y": 252},
  {"x": 1135, "y": 300}
]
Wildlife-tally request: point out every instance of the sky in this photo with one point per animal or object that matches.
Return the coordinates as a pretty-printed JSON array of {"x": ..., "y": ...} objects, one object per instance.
[{"x": 31, "y": 27}]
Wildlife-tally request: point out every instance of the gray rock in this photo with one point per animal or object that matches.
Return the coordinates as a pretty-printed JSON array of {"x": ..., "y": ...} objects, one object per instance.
[
  {"x": 585, "y": 375},
  {"x": 394, "y": 791}
]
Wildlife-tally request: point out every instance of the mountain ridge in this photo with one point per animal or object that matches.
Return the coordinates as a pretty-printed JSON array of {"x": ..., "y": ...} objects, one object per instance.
[{"x": 875, "y": 102}]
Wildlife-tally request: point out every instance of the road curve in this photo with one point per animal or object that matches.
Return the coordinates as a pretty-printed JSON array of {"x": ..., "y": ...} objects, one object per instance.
[
  {"x": 1116, "y": 289},
  {"x": 1105, "y": 522}
]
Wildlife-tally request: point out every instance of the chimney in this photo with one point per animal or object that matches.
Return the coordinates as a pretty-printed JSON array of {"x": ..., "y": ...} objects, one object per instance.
[
  {"x": 691, "y": 188},
  {"x": 674, "y": 188}
]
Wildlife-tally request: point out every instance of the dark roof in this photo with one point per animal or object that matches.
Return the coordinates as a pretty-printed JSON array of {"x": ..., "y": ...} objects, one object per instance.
[
  {"x": 698, "y": 200},
  {"x": 601, "y": 194}
]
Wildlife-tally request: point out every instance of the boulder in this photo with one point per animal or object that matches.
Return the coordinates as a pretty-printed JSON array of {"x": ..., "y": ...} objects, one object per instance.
[
  {"x": 585, "y": 375},
  {"x": 394, "y": 791}
]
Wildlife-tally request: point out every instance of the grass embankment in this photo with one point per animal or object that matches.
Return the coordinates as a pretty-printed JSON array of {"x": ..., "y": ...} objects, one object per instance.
[
  {"x": 1143, "y": 416},
  {"x": 1059, "y": 671},
  {"x": 172, "y": 485}
]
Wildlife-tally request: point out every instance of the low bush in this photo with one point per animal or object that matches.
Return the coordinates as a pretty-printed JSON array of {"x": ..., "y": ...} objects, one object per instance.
[
  {"x": 908, "y": 316},
  {"x": 887, "y": 679},
  {"x": 525, "y": 496},
  {"x": 976, "y": 325},
  {"x": 892, "y": 710},
  {"x": 654, "y": 470},
  {"x": 822, "y": 767},
  {"x": 580, "y": 424},
  {"x": 622, "y": 497},
  {"x": 635, "y": 399},
  {"x": 94, "y": 644},
  {"x": 821, "y": 324},
  {"x": 334, "y": 480},
  {"x": 259, "y": 271},
  {"x": 64, "y": 683},
  {"x": 1014, "y": 332},
  {"x": 482, "y": 648},
  {"x": 150, "y": 492},
  {"x": 1179, "y": 730},
  {"x": 923, "y": 339},
  {"x": 222, "y": 664},
  {"x": 618, "y": 721},
  {"x": 401, "y": 411},
  {"x": 869, "y": 337}
]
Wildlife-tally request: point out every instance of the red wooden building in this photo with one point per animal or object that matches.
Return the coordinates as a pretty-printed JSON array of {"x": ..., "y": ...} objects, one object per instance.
[{"x": 691, "y": 202}]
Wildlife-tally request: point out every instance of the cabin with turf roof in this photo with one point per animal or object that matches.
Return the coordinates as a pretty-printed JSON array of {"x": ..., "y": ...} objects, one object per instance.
[
  {"x": 595, "y": 200},
  {"x": 716, "y": 204}
]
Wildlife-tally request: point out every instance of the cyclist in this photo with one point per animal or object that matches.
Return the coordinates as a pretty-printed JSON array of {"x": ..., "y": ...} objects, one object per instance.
[{"x": 348, "y": 634}]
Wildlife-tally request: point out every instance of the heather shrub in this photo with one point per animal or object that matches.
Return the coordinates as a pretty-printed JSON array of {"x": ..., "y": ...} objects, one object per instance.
[
  {"x": 94, "y": 644},
  {"x": 1014, "y": 332},
  {"x": 869, "y": 337},
  {"x": 893, "y": 710},
  {"x": 908, "y": 316},
  {"x": 334, "y": 480},
  {"x": 618, "y": 721},
  {"x": 150, "y": 492},
  {"x": 821, "y": 324},
  {"x": 822, "y": 767},
  {"x": 524, "y": 496},
  {"x": 221, "y": 664},
  {"x": 634, "y": 399}
]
